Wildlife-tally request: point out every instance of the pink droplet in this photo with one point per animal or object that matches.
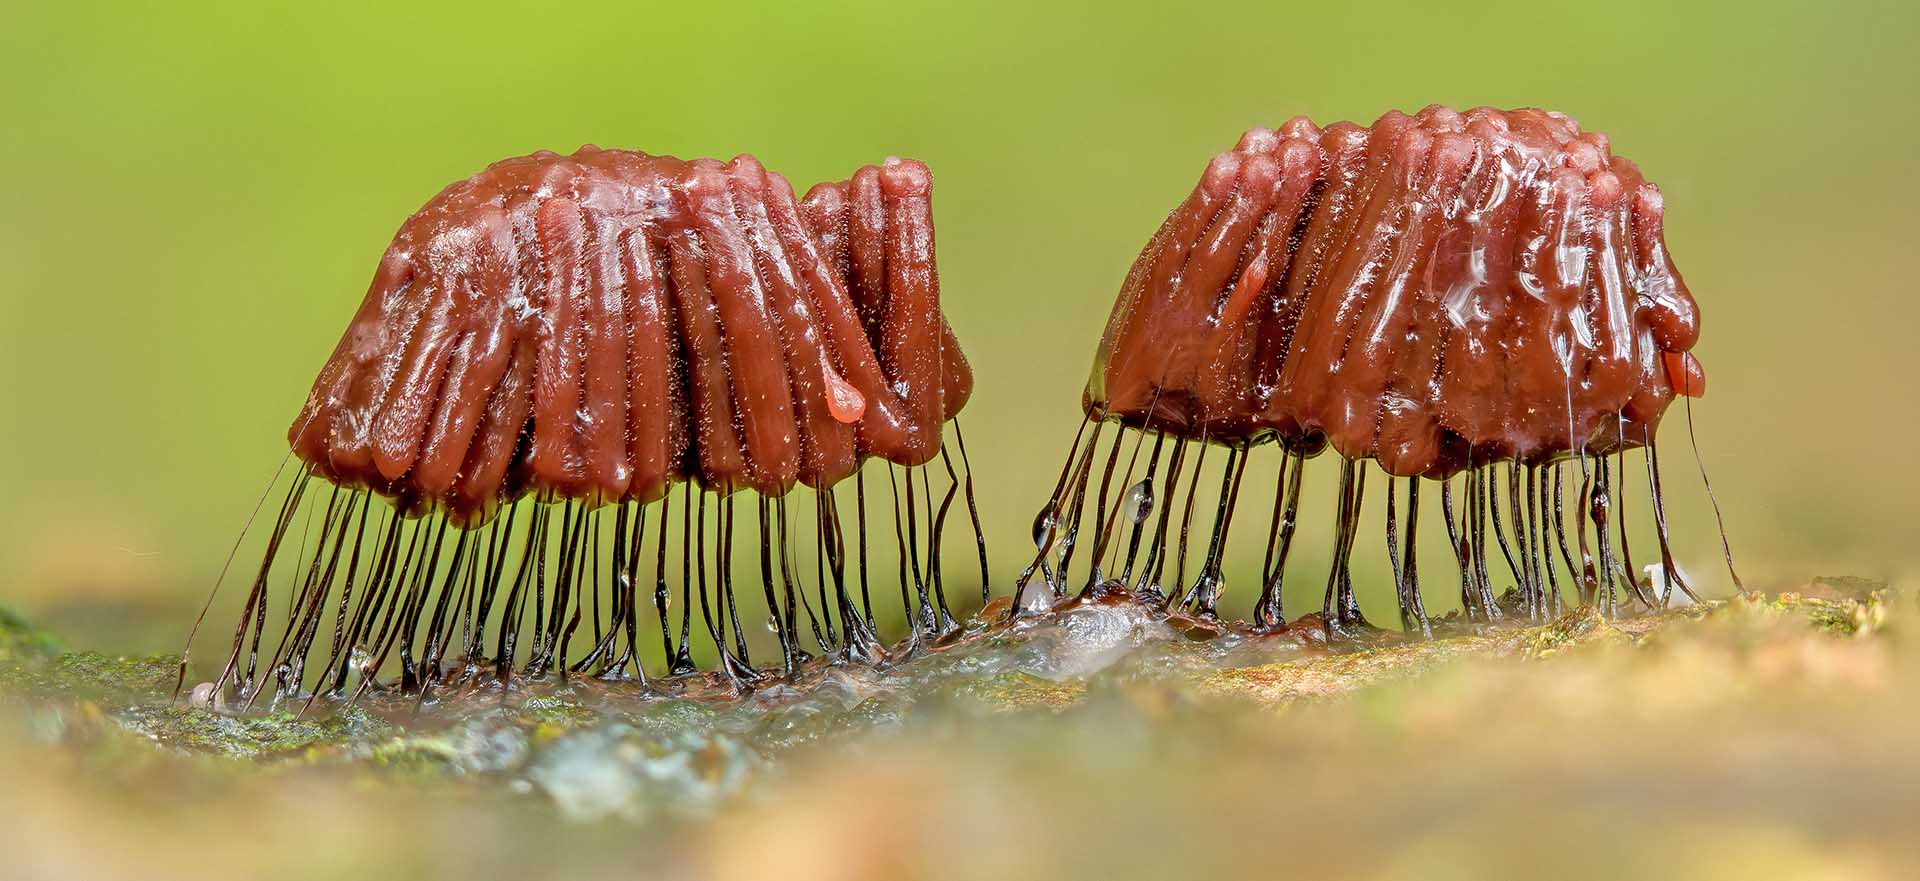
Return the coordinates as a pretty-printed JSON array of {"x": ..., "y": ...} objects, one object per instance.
[{"x": 845, "y": 402}]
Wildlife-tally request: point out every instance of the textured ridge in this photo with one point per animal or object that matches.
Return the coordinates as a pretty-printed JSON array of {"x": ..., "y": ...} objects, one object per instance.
[
  {"x": 603, "y": 325},
  {"x": 1430, "y": 291}
]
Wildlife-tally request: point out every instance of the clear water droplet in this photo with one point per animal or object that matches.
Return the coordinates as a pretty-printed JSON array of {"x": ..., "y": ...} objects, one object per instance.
[
  {"x": 1138, "y": 504},
  {"x": 1043, "y": 524}
]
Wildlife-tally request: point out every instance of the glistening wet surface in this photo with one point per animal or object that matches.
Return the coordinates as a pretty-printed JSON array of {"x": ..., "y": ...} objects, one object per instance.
[{"x": 1750, "y": 738}]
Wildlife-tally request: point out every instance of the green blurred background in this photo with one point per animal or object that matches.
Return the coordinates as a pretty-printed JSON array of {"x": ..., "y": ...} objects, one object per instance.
[{"x": 195, "y": 195}]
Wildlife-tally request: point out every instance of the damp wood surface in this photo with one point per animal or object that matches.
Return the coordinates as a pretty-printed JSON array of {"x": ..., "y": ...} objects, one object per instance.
[{"x": 1763, "y": 736}]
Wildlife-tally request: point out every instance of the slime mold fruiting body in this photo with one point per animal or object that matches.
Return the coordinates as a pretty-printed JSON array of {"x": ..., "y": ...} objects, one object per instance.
[
  {"x": 579, "y": 336},
  {"x": 1443, "y": 294}
]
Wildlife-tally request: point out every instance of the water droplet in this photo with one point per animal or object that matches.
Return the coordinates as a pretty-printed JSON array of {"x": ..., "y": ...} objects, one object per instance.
[
  {"x": 1138, "y": 504},
  {"x": 844, "y": 402},
  {"x": 1043, "y": 525}
]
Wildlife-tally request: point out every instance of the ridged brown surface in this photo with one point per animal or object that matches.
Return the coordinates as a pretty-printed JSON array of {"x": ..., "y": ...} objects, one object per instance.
[
  {"x": 1425, "y": 291},
  {"x": 602, "y": 325}
]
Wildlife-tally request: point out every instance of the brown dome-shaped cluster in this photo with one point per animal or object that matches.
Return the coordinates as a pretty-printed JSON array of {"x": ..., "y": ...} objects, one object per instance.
[
  {"x": 547, "y": 350},
  {"x": 1484, "y": 295},
  {"x": 602, "y": 325},
  {"x": 1429, "y": 291}
]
